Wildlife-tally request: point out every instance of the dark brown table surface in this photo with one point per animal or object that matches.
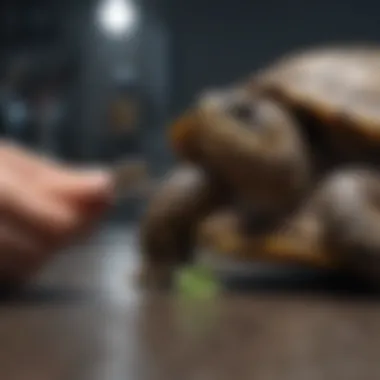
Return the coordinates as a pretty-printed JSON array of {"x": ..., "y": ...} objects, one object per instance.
[{"x": 82, "y": 319}]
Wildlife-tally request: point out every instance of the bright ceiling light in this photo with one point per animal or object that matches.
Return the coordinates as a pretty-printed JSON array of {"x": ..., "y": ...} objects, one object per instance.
[{"x": 117, "y": 17}]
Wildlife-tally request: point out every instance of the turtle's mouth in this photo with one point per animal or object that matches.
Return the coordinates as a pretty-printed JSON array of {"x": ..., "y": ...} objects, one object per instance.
[{"x": 183, "y": 135}]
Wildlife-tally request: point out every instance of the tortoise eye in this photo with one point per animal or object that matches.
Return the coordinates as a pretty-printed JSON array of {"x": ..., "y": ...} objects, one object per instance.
[{"x": 243, "y": 112}]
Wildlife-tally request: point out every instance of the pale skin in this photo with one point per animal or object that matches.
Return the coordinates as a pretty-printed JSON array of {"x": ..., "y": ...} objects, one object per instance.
[{"x": 44, "y": 206}]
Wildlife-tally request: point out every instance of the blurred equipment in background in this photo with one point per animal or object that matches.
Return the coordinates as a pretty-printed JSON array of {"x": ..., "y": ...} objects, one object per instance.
[
  {"x": 14, "y": 108},
  {"x": 35, "y": 89},
  {"x": 124, "y": 119},
  {"x": 124, "y": 145},
  {"x": 124, "y": 114},
  {"x": 49, "y": 94}
]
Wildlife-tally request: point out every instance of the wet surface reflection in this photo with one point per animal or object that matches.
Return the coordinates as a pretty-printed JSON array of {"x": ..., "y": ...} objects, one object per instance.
[{"x": 84, "y": 319}]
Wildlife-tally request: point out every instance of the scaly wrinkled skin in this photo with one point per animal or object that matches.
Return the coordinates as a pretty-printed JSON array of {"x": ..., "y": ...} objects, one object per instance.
[
  {"x": 322, "y": 214},
  {"x": 252, "y": 144},
  {"x": 168, "y": 229}
]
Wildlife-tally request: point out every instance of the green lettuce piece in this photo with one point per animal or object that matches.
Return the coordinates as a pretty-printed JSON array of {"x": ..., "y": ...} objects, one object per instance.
[{"x": 197, "y": 281}]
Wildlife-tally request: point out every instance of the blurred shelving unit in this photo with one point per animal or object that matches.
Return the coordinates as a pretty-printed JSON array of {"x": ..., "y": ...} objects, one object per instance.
[{"x": 39, "y": 75}]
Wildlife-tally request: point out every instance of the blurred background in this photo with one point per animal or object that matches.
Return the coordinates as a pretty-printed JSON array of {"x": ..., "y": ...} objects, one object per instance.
[
  {"x": 98, "y": 82},
  {"x": 93, "y": 81}
]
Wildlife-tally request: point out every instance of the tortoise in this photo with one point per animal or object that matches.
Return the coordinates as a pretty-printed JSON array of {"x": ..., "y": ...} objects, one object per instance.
[{"x": 281, "y": 166}]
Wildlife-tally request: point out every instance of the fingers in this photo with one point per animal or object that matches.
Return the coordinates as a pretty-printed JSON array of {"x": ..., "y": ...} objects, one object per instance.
[
  {"x": 47, "y": 198},
  {"x": 25, "y": 162},
  {"x": 52, "y": 177},
  {"x": 81, "y": 185},
  {"x": 43, "y": 207},
  {"x": 44, "y": 214}
]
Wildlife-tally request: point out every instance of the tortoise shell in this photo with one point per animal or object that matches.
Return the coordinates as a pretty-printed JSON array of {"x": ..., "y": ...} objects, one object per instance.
[{"x": 339, "y": 87}]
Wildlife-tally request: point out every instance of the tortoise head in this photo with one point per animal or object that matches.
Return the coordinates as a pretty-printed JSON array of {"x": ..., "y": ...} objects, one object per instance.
[{"x": 247, "y": 139}]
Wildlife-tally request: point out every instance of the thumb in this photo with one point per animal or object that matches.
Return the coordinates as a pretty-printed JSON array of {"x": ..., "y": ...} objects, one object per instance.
[{"x": 83, "y": 186}]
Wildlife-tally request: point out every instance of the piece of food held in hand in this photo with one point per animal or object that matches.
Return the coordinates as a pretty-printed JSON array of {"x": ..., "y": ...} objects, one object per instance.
[{"x": 282, "y": 167}]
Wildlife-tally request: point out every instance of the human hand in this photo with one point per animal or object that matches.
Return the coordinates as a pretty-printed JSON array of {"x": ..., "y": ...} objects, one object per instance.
[{"x": 44, "y": 205}]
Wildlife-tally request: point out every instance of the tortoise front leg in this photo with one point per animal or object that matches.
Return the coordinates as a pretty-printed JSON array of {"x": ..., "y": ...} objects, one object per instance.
[{"x": 167, "y": 235}]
